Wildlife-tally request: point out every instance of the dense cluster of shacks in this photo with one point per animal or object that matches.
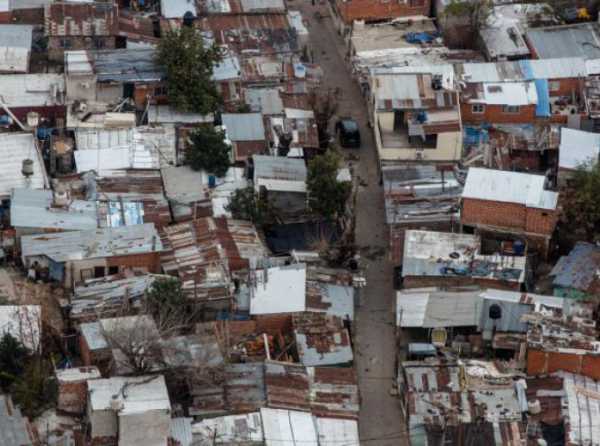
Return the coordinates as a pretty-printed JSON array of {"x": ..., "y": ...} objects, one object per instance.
[
  {"x": 475, "y": 149},
  {"x": 96, "y": 200}
]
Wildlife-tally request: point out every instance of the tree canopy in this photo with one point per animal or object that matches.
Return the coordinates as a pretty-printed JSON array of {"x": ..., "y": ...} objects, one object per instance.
[
  {"x": 189, "y": 69},
  {"x": 327, "y": 196},
  {"x": 246, "y": 204},
  {"x": 581, "y": 205},
  {"x": 208, "y": 151}
]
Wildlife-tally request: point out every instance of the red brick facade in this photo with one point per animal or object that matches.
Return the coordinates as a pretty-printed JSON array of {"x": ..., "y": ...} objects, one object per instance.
[
  {"x": 373, "y": 10},
  {"x": 494, "y": 114},
  {"x": 508, "y": 216},
  {"x": 540, "y": 362}
]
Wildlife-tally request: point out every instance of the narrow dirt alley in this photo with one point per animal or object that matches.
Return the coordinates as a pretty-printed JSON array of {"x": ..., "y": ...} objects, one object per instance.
[{"x": 381, "y": 421}]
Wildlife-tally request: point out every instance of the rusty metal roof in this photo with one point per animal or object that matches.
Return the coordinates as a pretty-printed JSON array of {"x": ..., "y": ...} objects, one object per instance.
[
  {"x": 321, "y": 339},
  {"x": 205, "y": 251}
]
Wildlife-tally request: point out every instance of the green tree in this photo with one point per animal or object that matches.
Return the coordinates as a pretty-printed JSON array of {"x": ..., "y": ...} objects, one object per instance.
[
  {"x": 36, "y": 389},
  {"x": 189, "y": 69},
  {"x": 13, "y": 356},
  {"x": 246, "y": 204},
  {"x": 208, "y": 151},
  {"x": 326, "y": 195},
  {"x": 581, "y": 205},
  {"x": 165, "y": 299}
]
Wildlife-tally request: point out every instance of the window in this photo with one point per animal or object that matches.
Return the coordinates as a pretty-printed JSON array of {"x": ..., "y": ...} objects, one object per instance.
[
  {"x": 98, "y": 272},
  {"x": 112, "y": 270},
  {"x": 65, "y": 43},
  {"x": 86, "y": 274},
  {"x": 554, "y": 85},
  {"x": 160, "y": 91},
  {"x": 510, "y": 109},
  {"x": 478, "y": 108}
]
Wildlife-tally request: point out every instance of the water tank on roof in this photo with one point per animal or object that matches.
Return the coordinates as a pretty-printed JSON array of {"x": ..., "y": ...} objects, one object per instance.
[{"x": 27, "y": 168}]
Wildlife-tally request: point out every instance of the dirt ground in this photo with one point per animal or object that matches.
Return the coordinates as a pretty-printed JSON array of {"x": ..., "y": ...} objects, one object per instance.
[{"x": 381, "y": 422}]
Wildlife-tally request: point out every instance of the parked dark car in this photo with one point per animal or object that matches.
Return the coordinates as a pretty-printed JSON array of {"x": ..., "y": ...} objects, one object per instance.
[{"x": 348, "y": 132}]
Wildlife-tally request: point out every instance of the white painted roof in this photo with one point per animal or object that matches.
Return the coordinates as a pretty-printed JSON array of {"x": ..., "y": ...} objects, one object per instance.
[
  {"x": 22, "y": 322},
  {"x": 509, "y": 187},
  {"x": 142, "y": 394},
  {"x": 280, "y": 289},
  {"x": 509, "y": 93},
  {"x": 176, "y": 9},
  {"x": 103, "y": 150},
  {"x": 32, "y": 90},
  {"x": 15, "y": 48},
  {"x": 337, "y": 432},
  {"x": 577, "y": 147},
  {"x": 230, "y": 429},
  {"x": 433, "y": 308},
  {"x": 288, "y": 428},
  {"x": 78, "y": 374},
  {"x": 14, "y": 148}
]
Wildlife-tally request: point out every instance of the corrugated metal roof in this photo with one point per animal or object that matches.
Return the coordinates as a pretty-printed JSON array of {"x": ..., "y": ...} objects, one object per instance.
[
  {"x": 92, "y": 333},
  {"x": 30, "y": 208},
  {"x": 181, "y": 431},
  {"x": 321, "y": 339},
  {"x": 100, "y": 243},
  {"x": 15, "y": 48},
  {"x": 577, "y": 148},
  {"x": 95, "y": 296},
  {"x": 227, "y": 69},
  {"x": 432, "y": 309},
  {"x": 581, "y": 409},
  {"x": 281, "y": 289},
  {"x": 333, "y": 432},
  {"x": 579, "y": 269},
  {"x": 107, "y": 149},
  {"x": 13, "y": 425},
  {"x": 336, "y": 300},
  {"x": 279, "y": 168},
  {"x": 244, "y": 126},
  {"x": 563, "y": 68},
  {"x": 253, "y": 6},
  {"x": 32, "y": 90},
  {"x": 577, "y": 40},
  {"x": 509, "y": 187},
  {"x": 135, "y": 394},
  {"x": 288, "y": 427},
  {"x": 265, "y": 100},
  {"x": 441, "y": 254},
  {"x": 17, "y": 147},
  {"x": 126, "y": 65},
  {"x": 229, "y": 430}
]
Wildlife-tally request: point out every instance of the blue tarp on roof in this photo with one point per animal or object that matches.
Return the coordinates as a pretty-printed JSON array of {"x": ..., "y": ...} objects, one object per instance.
[
  {"x": 422, "y": 37},
  {"x": 542, "y": 108}
]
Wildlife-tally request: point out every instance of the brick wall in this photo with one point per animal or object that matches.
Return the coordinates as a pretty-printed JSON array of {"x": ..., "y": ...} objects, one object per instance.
[
  {"x": 540, "y": 362},
  {"x": 494, "y": 114},
  {"x": 150, "y": 261},
  {"x": 509, "y": 216},
  {"x": 566, "y": 86},
  {"x": 72, "y": 397},
  {"x": 453, "y": 282},
  {"x": 372, "y": 10}
]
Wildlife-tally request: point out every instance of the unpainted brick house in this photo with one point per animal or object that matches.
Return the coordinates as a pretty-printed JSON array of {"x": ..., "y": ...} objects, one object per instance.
[
  {"x": 80, "y": 26},
  {"x": 512, "y": 204},
  {"x": 344, "y": 12}
]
